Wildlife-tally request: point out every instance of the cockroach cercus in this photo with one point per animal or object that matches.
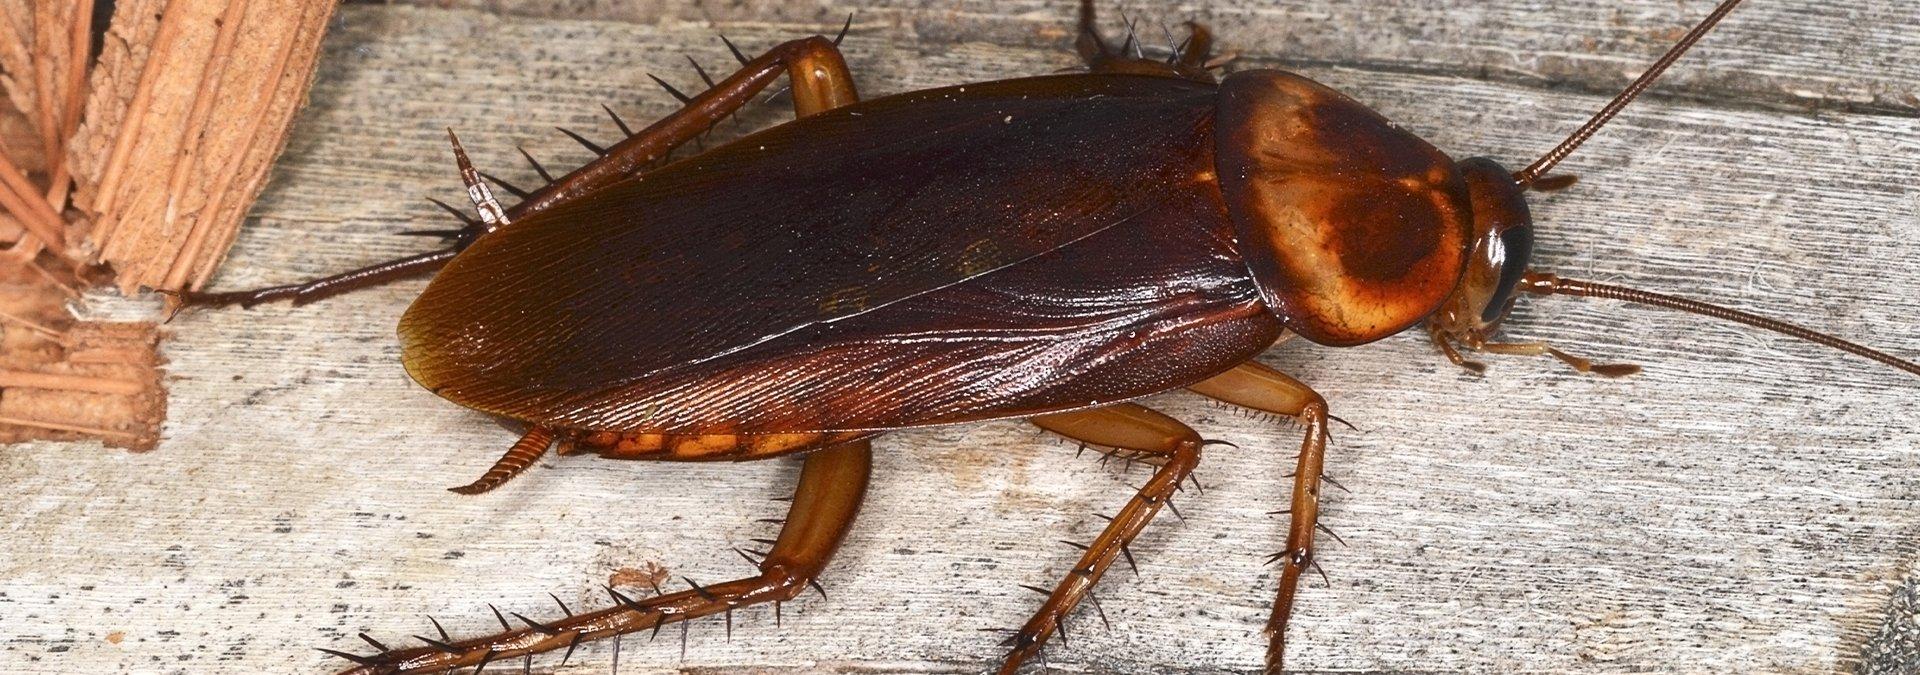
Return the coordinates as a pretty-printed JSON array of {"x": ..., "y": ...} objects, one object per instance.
[{"x": 1047, "y": 248}]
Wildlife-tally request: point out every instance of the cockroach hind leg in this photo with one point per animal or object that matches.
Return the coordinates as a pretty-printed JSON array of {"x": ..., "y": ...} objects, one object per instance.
[
  {"x": 504, "y": 185},
  {"x": 597, "y": 149},
  {"x": 175, "y": 301},
  {"x": 832, "y": 484},
  {"x": 1188, "y": 59},
  {"x": 470, "y": 227},
  {"x": 1091, "y": 45},
  {"x": 580, "y": 181},
  {"x": 302, "y": 293},
  {"x": 545, "y": 176},
  {"x": 305, "y": 292}
]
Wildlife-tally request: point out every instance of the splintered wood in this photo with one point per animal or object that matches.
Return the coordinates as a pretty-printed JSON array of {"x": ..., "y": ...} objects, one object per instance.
[
  {"x": 69, "y": 380},
  {"x": 186, "y": 115},
  {"x": 130, "y": 151}
]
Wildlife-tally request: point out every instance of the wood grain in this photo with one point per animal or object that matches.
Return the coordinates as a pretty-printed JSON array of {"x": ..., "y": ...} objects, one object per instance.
[
  {"x": 1748, "y": 504},
  {"x": 1842, "y": 54}
]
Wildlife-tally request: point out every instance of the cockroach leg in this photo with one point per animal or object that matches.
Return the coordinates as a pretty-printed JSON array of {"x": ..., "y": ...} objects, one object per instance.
[
  {"x": 1189, "y": 60},
  {"x": 1445, "y": 343},
  {"x": 1196, "y": 53},
  {"x": 832, "y": 484},
  {"x": 1132, "y": 428},
  {"x": 1544, "y": 349},
  {"x": 820, "y": 81},
  {"x": 1261, "y": 388},
  {"x": 1473, "y": 338},
  {"x": 522, "y": 455},
  {"x": 419, "y": 264}
]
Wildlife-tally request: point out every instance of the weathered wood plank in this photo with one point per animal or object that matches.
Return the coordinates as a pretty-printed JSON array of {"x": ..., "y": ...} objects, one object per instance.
[
  {"x": 1747, "y": 504},
  {"x": 1845, "y": 54}
]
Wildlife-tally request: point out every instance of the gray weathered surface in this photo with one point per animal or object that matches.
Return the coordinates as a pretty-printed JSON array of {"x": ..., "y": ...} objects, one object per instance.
[
  {"x": 1748, "y": 504},
  {"x": 1847, "y": 54}
]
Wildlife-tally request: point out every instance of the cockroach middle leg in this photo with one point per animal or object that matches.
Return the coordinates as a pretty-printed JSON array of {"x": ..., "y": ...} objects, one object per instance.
[
  {"x": 833, "y": 482},
  {"x": 1255, "y": 386},
  {"x": 820, "y": 79},
  {"x": 1128, "y": 427}
]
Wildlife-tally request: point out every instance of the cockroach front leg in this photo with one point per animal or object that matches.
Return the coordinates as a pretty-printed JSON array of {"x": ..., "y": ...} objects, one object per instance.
[
  {"x": 1471, "y": 338},
  {"x": 820, "y": 82},
  {"x": 1255, "y": 386},
  {"x": 1130, "y": 428},
  {"x": 832, "y": 484}
]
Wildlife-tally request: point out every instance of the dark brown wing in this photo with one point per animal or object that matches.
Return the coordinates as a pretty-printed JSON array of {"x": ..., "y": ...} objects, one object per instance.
[{"x": 782, "y": 241}]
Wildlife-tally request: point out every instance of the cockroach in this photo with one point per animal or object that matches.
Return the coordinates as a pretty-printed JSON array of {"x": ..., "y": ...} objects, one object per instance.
[{"x": 1047, "y": 248}]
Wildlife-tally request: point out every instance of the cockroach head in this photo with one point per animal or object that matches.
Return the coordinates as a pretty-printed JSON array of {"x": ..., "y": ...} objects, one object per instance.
[
  {"x": 1502, "y": 247},
  {"x": 1502, "y": 236}
]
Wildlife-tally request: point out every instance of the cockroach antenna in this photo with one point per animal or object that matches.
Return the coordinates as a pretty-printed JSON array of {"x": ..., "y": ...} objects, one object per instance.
[
  {"x": 1542, "y": 283},
  {"x": 1532, "y": 175}
]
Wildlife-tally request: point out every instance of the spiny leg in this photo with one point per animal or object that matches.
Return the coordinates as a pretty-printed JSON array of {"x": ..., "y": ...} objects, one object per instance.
[
  {"x": 1128, "y": 427},
  {"x": 1190, "y": 59},
  {"x": 820, "y": 81},
  {"x": 832, "y": 484},
  {"x": 1255, "y": 386}
]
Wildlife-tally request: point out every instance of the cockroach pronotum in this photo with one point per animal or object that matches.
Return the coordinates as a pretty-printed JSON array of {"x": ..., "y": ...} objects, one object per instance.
[{"x": 1047, "y": 248}]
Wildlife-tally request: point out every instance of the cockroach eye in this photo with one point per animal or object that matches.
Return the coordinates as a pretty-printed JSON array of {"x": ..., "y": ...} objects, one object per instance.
[{"x": 1513, "y": 248}]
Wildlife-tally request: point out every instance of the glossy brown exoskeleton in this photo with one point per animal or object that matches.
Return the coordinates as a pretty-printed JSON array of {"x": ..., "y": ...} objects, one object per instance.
[{"x": 1045, "y": 248}]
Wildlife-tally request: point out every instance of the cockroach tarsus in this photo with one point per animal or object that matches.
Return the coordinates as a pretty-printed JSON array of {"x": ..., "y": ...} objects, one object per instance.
[{"x": 1162, "y": 234}]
